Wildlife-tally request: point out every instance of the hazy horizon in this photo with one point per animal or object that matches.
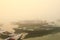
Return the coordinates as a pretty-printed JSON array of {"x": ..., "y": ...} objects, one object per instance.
[{"x": 16, "y": 10}]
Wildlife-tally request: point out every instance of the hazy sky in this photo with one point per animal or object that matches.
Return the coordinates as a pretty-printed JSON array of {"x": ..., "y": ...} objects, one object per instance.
[{"x": 12, "y": 10}]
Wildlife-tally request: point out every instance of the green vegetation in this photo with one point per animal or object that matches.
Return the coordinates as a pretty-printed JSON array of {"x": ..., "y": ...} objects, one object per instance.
[
  {"x": 47, "y": 37},
  {"x": 44, "y": 31}
]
